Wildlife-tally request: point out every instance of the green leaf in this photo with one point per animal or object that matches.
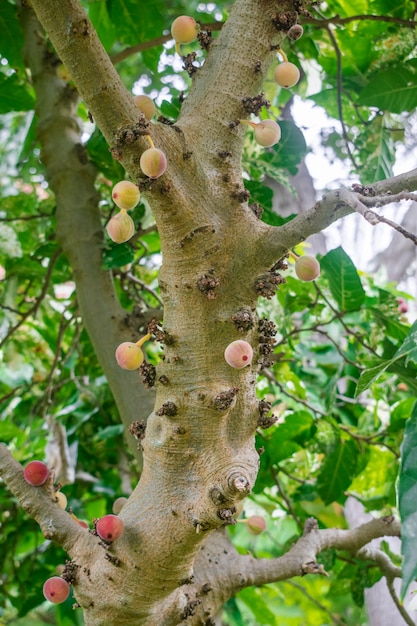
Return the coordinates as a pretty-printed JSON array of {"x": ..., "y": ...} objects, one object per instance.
[
  {"x": 291, "y": 148},
  {"x": 11, "y": 40},
  {"x": 344, "y": 282},
  {"x": 260, "y": 193},
  {"x": 408, "y": 350},
  {"x": 110, "y": 431},
  {"x": 133, "y": 24},
  {"x": 8, "y": 431},
  {"x": 117, "y": 255},
  {"x": 393, "y": 90},
  {"x": 407, "y": 497},
  {"x": 98, "y": 151},
  {"x": 13, "y": 95},
  {"x": 337, "y": 471},
  {"x": 257, "y": 604},
  {"x": 375, "y": 485}
]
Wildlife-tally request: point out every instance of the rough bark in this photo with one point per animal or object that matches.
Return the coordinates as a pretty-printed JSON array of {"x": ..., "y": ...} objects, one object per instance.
[{"x": 199, "y": 455}]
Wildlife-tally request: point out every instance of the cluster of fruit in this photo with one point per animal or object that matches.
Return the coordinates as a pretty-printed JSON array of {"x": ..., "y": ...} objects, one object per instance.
[
  {"x": 109, "y": 527},
  {"x": 125, "y": 194}
]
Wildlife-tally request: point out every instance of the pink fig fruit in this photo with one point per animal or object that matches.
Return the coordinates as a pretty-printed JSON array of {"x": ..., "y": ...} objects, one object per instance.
[
  {"x": 238, "y": 354},
  {"x": 110, "y": 527},
  {"x": 36, "y": 473},
  {"x": 56, "y": 589}
]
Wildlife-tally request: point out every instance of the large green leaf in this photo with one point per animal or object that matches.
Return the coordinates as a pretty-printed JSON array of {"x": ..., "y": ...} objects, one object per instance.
[
  {"x": 337, "y": 471},
  {"x": 344, "y": 282},
  {"x": 393, "y": 90},
  {"x": 11, "y": 40},
  {"x": 407, "y": 497},
  {"x": 13, "y": 95}
]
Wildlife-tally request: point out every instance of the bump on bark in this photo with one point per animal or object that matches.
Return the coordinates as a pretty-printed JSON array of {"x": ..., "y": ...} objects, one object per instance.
[
  {"x": 137, "y": 429},
  {"x": 243, "y": 320},
  {"x": 255, "y": 104},
  {"x": 165, "y": 120},
  {"x": 217, "y": 496},
  {"x": 266, "y": 327},
  {"x": 267, "y": 284},
  {"x": 113, "y": 559},
  {"x": 224, "y": 400},
  {"x": 188, "y": 63},
  {"x": 70, "y": 572},
  {"x": 207, "y": 284},
  {"x": 227, "y": 515},
  {"x": 126, "y": 135},
  {"x": 284, "y": 20},
  {"x": 190, "y": 608},
  {"x": 204, "y": 38},
  {"x": 148, "y": 374},
  {"x": 161, "y": 335},
  {"x": 241, "y": 195},
  {"x": 168, "y": 408},
  {"x": 239, "y": 485},
  {"x": 256, "y": 209},
  {"x": 265, "y": 421}
]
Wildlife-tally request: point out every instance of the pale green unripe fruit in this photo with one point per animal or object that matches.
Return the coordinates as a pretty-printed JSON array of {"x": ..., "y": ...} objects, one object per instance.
[
  {"x": 238, "y": 354},
  {"x": 153, "y": 162},
  {"x": 129, "y": 355},
  {"x": 120, "y": 227},
  {"x": 286, "y": 74},
  {"x": 126, "y": 195},
  {"x": 184, "y": 29},
  {"x": 61, "y": 499},
  {"x": 307, "y": 268},
  {"x": 267, "y": 133},
  {"x": 146, "y": 105}
]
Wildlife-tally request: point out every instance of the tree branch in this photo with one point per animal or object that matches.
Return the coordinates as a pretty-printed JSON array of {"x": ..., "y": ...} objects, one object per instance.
[
  {"x": 71, "y": 176},
  {"x": 334, "y": 205},
  {"x": 55, "y": 523}
]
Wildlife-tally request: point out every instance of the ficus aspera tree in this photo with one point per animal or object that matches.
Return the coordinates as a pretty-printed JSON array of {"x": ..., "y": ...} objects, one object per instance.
[{"x": 193, "y": 421}]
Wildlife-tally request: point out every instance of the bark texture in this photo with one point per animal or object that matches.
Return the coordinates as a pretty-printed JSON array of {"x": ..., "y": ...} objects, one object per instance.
[{"x": 174, "y": 563}]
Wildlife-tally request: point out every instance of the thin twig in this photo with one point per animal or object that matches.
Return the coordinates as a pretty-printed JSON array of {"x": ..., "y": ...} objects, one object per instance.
[
  {"x": 38, "y": 300},
  {"x": 152, "y": 43},
  {"x": 47, "y": 395},
  {"x": 286, "y": 499},
  {"x": 145, "y": 287},
  {"x": 272, "y": 378},
  {"x": 336, "y": 19},
  {"x": 404, "y": 614},
  {"x": 339, "y": 96}
]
